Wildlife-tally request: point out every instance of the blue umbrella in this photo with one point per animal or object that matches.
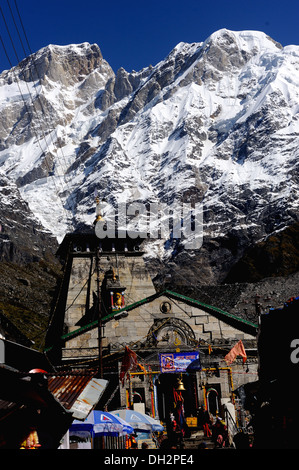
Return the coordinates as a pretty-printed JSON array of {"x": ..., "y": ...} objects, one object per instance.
[
  {"x": 139, "y": 421},
  {"x": 102, "y": 423}
]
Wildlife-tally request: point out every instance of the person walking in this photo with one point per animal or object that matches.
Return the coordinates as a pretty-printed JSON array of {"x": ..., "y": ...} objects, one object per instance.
[
  {"x": 205, "y": 421},
  {"x": 220, "y": 434}
]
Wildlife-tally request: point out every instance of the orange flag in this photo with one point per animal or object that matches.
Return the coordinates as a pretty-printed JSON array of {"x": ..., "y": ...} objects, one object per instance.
[
  {"x": 237, "y": 350},
  {"x": 142, "y": 368}
]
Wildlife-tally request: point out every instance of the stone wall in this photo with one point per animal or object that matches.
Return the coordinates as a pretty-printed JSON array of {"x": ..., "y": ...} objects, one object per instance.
[
  {"x": 138, "y": 285},
  {"x": 176, "y": 325}
]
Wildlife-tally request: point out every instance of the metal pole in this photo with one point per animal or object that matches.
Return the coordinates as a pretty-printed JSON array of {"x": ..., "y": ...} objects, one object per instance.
[{"x": 100, "y": 336}]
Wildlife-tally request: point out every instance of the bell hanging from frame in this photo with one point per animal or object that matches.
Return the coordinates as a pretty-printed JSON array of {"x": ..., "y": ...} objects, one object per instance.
[{"x": 180, "y": 385}]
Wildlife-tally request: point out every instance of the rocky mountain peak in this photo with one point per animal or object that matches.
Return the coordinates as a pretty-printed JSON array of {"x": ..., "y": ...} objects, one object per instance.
[
  {"x": 215, "y": 122},
  {"x": 61, "y": 64}
]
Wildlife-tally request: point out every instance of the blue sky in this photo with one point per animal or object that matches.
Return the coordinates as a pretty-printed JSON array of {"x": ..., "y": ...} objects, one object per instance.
[{"x": 134, "y": 34}]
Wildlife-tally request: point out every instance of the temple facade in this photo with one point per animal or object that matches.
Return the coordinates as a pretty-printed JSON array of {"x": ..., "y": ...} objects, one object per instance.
[{"x": 107, "y": 305}]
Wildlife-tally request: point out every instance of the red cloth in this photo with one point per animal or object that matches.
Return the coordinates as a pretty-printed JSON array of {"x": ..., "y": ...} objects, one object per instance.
[
  {"x": 237, "y": 350},
  {"x": 129, "y": 362},
  {"x": 207, "y": 430}
]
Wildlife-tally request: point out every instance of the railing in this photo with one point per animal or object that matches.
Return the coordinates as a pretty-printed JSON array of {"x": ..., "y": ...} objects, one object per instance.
[{"x": 231, "y": 423}]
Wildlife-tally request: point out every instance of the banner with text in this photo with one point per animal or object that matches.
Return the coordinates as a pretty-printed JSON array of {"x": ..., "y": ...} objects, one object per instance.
[{"x": 177, "y": 362}]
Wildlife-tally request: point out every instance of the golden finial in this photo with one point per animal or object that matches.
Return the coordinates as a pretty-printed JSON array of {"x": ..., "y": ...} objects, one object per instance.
[{"x": 98, "y": 210}]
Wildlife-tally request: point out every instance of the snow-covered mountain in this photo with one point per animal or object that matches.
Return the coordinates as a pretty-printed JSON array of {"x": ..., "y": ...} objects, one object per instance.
[{"x": 215, "y": 122}]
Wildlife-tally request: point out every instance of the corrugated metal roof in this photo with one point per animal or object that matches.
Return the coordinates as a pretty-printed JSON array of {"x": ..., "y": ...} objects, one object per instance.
[
  {"x": 77, "y": 392},
  {"x": 24, "y": 390},
  {"x": 66, "y": 388}
]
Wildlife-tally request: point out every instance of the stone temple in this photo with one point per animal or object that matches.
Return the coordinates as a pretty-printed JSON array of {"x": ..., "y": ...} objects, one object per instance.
[{"x": 107, "y": 305}]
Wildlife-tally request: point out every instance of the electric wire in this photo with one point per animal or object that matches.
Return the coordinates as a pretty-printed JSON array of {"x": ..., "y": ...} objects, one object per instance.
[
  {"x": 197, "y": 343},
  {"x": 20, "y": 91},
  {"x": 22, "y": 95},
  {"x": 68, "y": 307},
  {"x": 39, "y": 77},
  {"x": 32, "y": 56},
  {"x": 23, "y": 98}
]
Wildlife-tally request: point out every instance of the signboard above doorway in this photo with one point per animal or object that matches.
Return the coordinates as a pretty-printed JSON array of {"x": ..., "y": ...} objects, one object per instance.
[{"x": 177, "y": 362}]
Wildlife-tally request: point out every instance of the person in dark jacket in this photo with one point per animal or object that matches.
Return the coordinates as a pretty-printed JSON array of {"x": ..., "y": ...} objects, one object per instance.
[{"x": 204, "y": 421}]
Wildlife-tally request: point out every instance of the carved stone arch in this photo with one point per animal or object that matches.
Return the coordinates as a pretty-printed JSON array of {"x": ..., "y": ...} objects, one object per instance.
[{"x": 171, "y": 331}]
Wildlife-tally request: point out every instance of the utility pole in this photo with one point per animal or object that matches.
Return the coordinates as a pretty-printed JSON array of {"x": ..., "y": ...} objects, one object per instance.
[
  {"x": 99, "y": 303},
  {"x": 99, "y": 315}
]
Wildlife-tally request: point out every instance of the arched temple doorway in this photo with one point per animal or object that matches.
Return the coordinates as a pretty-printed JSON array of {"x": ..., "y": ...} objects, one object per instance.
[
  {"x": 170, "y": 397},
  {"x": 212, "y": 396}
]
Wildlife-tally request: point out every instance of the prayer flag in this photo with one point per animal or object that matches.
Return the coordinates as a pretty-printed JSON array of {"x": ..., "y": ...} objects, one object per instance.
[
  {"x": 129, "y": 362},
  {"x": 142, "y": 368},
  {"x": 237, "y": 350}
]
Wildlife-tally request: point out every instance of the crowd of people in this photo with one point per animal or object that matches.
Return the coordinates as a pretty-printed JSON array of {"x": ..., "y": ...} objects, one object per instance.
[{"x": 214, "y": 428}]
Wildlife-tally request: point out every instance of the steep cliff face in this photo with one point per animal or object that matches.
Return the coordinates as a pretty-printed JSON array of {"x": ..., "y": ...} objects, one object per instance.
[
  {"x": 29, "y": 270},
  {"x": 215, "y": 123},
  {"x": 22, "y": 237}
]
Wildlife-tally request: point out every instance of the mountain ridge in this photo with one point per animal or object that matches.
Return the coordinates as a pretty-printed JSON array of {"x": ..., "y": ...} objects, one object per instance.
[
  {"x": 215, "y": 123},
  {"x": 107, "y": 125}
]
